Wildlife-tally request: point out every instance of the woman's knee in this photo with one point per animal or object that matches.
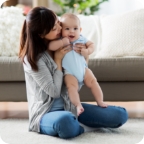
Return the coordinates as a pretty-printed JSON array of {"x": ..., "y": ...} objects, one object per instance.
[
  {"x": 122, "y": 116},
  {"x": 68, "y": 126}
]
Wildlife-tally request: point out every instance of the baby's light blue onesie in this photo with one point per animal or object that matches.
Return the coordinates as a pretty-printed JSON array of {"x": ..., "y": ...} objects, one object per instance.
[{"x": 74, "y": 63}]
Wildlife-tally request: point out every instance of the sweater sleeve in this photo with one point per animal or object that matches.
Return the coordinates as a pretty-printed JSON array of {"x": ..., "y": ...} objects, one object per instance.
[{"x": 50, "y": 84}]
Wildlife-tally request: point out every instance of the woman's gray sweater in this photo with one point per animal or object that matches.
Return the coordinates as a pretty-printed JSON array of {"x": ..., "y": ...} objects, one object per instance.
[{"x": 42, "y": 87}]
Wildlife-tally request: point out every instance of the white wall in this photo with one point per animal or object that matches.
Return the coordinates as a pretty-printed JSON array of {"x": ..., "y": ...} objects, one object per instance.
[
  {"x": 112, "y": 6},
  {"x": 120, "y": 6}
]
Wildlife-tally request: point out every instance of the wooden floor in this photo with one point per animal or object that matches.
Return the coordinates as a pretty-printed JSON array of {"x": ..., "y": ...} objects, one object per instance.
[{"x": 20, "y": 109}]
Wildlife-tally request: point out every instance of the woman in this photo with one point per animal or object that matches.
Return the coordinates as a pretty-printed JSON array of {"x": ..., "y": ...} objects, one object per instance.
[{"x": 50, "y": 110}]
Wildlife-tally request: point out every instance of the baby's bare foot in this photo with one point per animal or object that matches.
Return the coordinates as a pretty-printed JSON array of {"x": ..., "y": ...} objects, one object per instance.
[{"x": 80, "y": 110}]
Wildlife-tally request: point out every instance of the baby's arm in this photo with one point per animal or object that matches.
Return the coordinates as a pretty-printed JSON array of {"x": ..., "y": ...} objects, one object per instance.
[{"x": 56, "y": 44}]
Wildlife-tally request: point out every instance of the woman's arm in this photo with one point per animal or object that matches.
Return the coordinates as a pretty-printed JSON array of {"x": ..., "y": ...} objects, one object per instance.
[
  {"x": 48, "y": 82},
  {"x": 56, "y": 44},
  {"x": 48, "y": 78}
]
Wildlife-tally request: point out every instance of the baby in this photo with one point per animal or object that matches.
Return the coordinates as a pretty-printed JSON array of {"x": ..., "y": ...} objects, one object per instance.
[{"x": 75, "y": 66}]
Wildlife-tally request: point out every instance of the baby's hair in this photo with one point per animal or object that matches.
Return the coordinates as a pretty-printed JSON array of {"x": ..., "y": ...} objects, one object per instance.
[{"x": 70, "y": 15}]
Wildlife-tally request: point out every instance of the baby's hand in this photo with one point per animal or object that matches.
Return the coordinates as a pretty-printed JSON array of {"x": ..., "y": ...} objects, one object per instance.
[
  {"x": 65, "y": 41},
  {"x": 102, "y": 104}
]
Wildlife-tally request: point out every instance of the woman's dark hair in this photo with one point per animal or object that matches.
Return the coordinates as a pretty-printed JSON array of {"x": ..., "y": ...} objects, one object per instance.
[{"x": 39, "y": 22}]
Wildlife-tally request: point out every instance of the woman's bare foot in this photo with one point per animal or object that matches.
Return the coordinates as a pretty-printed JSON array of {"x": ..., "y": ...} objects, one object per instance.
[{"x": 80, "y": 109}]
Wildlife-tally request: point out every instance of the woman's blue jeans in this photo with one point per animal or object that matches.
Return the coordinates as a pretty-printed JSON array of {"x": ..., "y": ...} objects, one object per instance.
[{"x": 64, "y": 124}]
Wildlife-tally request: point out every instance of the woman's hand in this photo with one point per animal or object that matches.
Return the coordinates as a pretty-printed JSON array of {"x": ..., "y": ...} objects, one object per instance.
[
  {"x": 60, "y": 53},
  {"x": 81, "y": 49}
]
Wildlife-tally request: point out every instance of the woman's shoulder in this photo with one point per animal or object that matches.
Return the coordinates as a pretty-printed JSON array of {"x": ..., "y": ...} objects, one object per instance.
[
  {"x": 40, "y": 58},
  {"x": 26, "y": 64},
  {"x": 45, "y": 57}
]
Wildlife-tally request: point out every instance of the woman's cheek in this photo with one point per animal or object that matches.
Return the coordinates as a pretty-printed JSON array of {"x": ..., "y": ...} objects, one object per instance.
[
  {"x": 63, "y": 33},
  {"x": 58, "y": 35}
]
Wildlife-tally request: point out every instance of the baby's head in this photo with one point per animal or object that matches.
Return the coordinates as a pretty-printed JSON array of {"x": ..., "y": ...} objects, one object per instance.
[{"x": 70, "y": 26}]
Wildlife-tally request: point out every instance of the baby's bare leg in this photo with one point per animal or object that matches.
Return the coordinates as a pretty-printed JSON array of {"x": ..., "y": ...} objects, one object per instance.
[
  {"x": 91, "y": 82},
  {"x": 72, "y": 86}
]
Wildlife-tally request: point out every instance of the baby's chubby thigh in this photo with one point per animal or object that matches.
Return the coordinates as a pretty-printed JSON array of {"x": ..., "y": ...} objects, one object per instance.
[
  {"x": 89, "y": 77},
  {"x": 71, "y": 81}
]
